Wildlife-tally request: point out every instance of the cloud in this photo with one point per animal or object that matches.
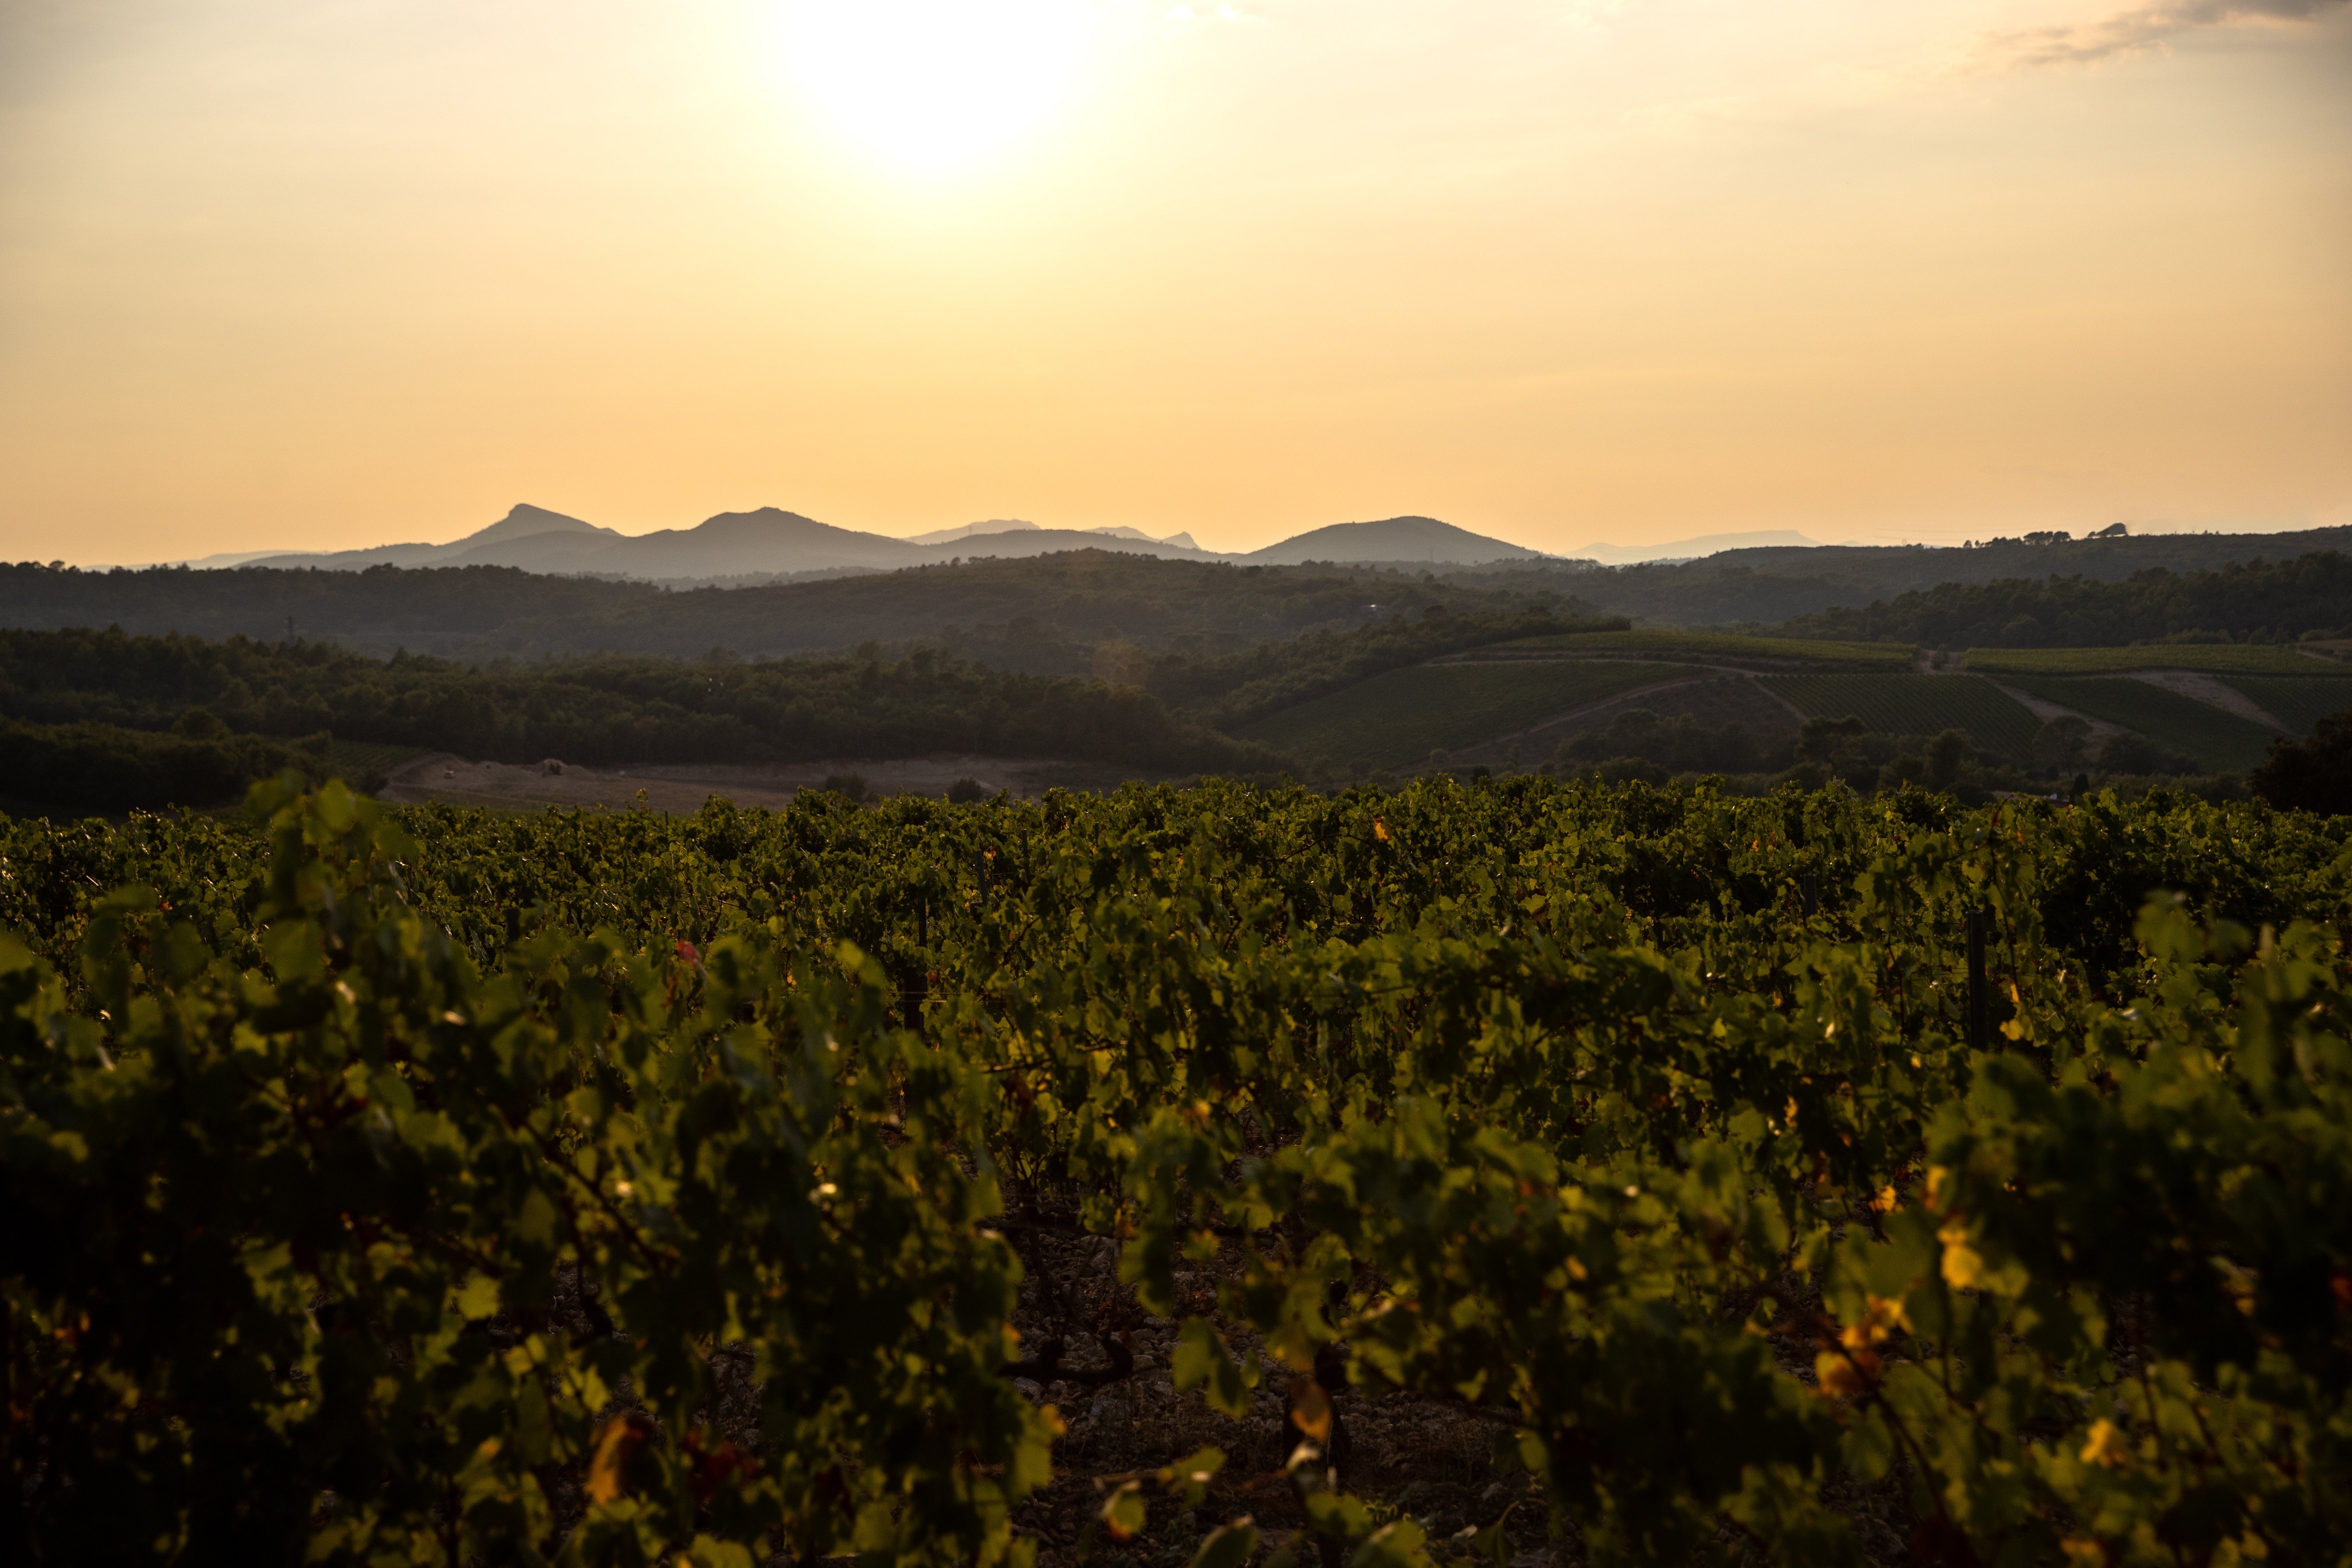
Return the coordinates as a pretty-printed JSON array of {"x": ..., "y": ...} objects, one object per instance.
[{"x": 2144, "y": 27}]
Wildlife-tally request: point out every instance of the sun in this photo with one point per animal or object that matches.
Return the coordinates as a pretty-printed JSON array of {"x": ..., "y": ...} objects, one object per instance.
[{"x": 935, "y": 84}]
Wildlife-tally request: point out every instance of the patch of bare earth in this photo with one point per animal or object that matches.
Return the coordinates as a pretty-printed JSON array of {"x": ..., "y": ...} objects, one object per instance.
[
  {"x": 1444, "y": 1463},
  {"x": 2204, "y": 689}
]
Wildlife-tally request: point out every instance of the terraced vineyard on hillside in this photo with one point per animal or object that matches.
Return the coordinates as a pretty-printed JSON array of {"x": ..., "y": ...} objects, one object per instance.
[
  {"x": 1916, "y": 705},
  {"x": 1396, "y": 719},
  {"x": 2229, "y": 658},
  {"x": 362, "y": 759},
  {"x": 2218, "y": 741},
  {"x": 2298, "y": 702},
  {"x": 1724, "y": 647}
]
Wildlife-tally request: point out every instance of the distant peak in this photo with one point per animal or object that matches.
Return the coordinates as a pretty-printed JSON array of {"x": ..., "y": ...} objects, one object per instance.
[
  {"x": 1399, "y": 539},
  {"x": 523, "y": 518}
]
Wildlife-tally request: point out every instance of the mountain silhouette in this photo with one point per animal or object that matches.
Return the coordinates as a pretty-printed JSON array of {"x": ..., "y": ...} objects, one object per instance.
[
  {"x": 1391, "y": 538},
  {"x": 770, "y": 541}
]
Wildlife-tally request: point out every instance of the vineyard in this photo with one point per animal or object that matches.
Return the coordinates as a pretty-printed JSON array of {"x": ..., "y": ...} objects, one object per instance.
[
  {"x": 2226, "y": 659},
  {"x": 2212, "y": 737},
  {"x": 1916, "y": 705},
  {"x": 1205, "y": 1177},
  {"x": 2298, "y": 702},
  {"x": 1727, "y": 647},
  {"x": 1396, "y": 719}
]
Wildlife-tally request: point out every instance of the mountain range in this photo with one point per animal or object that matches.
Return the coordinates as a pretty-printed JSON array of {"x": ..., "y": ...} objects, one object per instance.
[{"x": 771, "y": 543}]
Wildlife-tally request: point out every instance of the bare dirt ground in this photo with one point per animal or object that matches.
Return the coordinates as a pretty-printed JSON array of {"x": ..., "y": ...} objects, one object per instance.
[
  {"x": 2202, "y": 688},
  {"x": 680, "y": 787}
]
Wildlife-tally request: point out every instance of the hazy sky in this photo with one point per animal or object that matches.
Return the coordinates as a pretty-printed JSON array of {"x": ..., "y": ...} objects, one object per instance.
[{"x": 326, "y": 273}]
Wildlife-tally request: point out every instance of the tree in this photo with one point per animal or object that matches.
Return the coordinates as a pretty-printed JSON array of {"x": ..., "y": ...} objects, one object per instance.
[
  {"x": 1947, "y": 754},
  {"x": 2313, "y": 774},
  {"x": 2061, "y": 742},
  {"x": 1822, "y": 737}
]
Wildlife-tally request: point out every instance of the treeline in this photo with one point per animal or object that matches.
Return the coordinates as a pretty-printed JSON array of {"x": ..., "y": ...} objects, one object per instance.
[
  {"x": 2256, "y": 602},
  {"x": 1762, "y": 587},
  {"x": 604, "y": 710},
  {"x": 1238, "y": 688},
  {"x": 103, "y": 767},
  {"x": 1078, "y": 598}
]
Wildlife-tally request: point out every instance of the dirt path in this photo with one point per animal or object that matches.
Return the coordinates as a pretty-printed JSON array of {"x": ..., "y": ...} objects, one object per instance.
[
  {"x": 2206, "y": 688},
  {"x": 2101, "y": 728},
  {"x": 683, "y": 787}
]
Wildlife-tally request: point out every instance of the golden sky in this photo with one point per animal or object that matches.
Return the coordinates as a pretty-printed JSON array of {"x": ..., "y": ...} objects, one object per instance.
[{"x": 328, "y": 273}]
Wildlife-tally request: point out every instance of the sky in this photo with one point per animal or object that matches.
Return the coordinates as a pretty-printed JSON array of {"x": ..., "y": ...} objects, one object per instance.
[{"x": 320, "y": 274}]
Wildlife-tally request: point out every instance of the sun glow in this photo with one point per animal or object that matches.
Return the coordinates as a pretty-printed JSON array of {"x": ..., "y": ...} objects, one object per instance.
[{"x": 937, "y": 84}]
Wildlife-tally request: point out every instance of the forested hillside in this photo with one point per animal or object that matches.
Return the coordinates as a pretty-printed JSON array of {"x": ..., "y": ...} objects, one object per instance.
[
  {"x": 84, "y": 767},
  {"x": 1767, "y": 586},
  {"x": 2263, "y": 602},
  {"x": 601, "y": 711},
  {"x": 1070, "y": 601}
]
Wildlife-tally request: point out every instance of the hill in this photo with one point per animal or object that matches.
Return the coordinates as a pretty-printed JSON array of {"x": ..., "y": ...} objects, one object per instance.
[
  {"x": 520, "y": 522},
  {"x": 1761, "y": 587},
  {"x": 74, "y": 685},
  {"x": 2269, "y": 601},
  {"x": 1396, "y": 539}
]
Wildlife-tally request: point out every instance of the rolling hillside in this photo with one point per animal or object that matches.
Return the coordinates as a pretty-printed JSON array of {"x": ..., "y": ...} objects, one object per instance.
[
  {"x": 2218, "y": 741},
  {"x": 2235, "y": 659},
  {"x": 1916, "y": 705},
  {"x": 1723, "y": 647},
  {"x": 2298, "y": 702},
  {"x": 1397, "y": 720}
]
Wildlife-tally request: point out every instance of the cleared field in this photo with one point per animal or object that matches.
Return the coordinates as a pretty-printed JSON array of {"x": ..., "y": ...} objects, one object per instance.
[
  {"x": 1398, "y": 718},
  {"x": 2298, "y": 703},
  {"x": 2226, "y": 659},
  {"x": 2218, "y": 741},
  {"x": 1727, "y": 647},
  {"x": 1916, "y": 705}
]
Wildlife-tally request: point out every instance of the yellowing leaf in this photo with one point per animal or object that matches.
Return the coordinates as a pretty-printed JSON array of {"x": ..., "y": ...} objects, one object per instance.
[
  {"x": 1310, "y": 1407},
  {"x": 1962, "y": 1263},
  {"x": 1842, "y": 1376},
  {"x": 616, "y": 1440},
  {"x": 2106, "y": 1446},
  {"x": 479, "y": 1297},
  {"x": 1880, "y": 1317},
  {"x": 1123, "y": 1514}
]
